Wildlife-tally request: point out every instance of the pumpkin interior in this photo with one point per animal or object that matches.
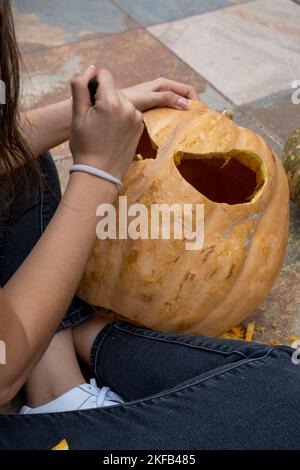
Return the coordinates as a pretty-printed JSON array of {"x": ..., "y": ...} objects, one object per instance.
[
  {"x": 146, "y": 148},
  {"x": 232, "y": 178}
]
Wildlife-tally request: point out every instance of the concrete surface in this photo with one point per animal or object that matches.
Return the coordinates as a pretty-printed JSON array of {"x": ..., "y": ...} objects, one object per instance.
[
  {"x": 241, "y": 55},
  {"x": 247, "y": 52}
]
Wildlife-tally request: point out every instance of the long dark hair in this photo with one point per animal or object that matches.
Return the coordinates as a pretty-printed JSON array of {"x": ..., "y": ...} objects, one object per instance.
[{"x": 14, "y": 150}]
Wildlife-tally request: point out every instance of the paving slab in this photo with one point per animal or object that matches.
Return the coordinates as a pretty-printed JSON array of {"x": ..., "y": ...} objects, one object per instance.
[
  {"x": 47, "y": 76},
  {"x": 214, "y": 99},
  {"x": 250, "y": 122},
  {"x": 43, "y": 24},
  {"x": 148, "y": 12},
  {"x": 63, "y": 165},
  {"x": 247, "y": 52},
  {"x": 132, "y": 57},
  {"x": 277, "y": 113}
]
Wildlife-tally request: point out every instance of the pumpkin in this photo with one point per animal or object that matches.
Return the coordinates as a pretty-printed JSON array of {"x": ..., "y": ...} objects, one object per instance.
[
  {"x": 196, "y": 156},
  {"x": 291, "y": 158}
]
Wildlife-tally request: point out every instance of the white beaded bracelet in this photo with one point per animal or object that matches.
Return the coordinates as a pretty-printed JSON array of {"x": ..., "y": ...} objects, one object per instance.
[{"x": 96, "y": 172}]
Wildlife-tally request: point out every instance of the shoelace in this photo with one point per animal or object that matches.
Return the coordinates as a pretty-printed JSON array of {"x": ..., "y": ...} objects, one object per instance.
[{"x": 102, "y": 394}]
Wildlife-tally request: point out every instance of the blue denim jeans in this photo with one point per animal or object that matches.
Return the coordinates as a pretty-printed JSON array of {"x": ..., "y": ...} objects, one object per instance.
[{"x": 182, "y": 392}]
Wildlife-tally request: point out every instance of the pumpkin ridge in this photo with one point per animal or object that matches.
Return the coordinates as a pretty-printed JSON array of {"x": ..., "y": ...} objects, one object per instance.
[{"x": 249, "y": 272}]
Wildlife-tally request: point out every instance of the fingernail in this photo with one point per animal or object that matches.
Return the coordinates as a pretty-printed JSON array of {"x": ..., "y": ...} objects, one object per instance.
[
  {"x": 183, "y": 103},
  {"x": 87, "y": 71}
]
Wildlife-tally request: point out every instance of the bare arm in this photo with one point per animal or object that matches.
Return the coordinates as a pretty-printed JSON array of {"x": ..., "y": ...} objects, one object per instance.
[
  {"x": 47, "y": 127},
  {"x": 34, "y": 301}
]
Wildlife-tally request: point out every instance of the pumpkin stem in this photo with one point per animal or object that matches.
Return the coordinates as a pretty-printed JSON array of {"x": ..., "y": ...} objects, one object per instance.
[{"x": 228, "y": 113}]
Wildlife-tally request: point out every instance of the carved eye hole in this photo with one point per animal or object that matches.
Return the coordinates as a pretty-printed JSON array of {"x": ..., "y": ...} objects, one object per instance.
[
  {"x": 232, "y": 178},
  {"x": 146, "y": 148}
]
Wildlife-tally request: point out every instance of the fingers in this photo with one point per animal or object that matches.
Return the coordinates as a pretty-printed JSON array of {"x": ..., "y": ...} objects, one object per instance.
[
  {"x": 168, "y": 99},
  {"x": 164, "y": 84},
  {"x": 130, "y": 109},
  {"x": 107, "y": 95},
  {"x": 108, "y": 98},
  {"x": 139, "y": 122},
  {"x": 80, "y": 92}
]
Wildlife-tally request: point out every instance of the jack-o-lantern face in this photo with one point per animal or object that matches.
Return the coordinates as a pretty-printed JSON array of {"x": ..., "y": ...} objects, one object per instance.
[{"x": 196, "y": 157}]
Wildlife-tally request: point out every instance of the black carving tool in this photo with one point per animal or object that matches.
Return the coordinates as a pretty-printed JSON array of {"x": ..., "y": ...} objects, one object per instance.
[{"x": 93, "y": 87}]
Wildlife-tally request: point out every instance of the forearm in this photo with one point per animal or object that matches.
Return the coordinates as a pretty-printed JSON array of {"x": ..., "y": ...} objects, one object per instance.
[
  {"x": 42, "y": 289},
  {"x": 47, "y": 127}
]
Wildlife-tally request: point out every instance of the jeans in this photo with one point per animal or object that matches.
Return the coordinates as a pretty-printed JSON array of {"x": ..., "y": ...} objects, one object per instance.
[{"x": 182, "y": 392}]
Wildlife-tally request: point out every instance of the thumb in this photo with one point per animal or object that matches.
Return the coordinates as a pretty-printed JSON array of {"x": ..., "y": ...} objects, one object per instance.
[{"x": 80, "y": 92}]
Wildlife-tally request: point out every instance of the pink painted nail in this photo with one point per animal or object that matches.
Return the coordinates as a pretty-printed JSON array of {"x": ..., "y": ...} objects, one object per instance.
[
  {"x": 183, "y": 103},
  {"x": 87, "y": 71}
]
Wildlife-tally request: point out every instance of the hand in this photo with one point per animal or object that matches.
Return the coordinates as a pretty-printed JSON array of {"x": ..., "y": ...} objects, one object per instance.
[
  {"x": 160, "y": 92},
  {"x": 105, "y": 135}
]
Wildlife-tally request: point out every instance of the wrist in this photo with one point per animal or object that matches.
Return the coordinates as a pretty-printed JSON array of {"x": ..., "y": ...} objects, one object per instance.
[
  {"x": 86, "y": 192},
  {"x": 91, "y": 170},
  {"x": 97, "y": 162}
]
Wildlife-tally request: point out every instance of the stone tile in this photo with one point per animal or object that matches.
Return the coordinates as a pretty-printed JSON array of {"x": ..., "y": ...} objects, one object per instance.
[
  {"x": 277, "y": 113},
  {"x": 148, "y": 12},
  {"x": 242, "y": 117},
  {"x": 250, "y": 122},
  {"x": 247, "y": 52},
  {"x": 63, "y": 165},
  {"x": 44, "y": 24},
  {"x": 47, "y": 76},
  {"x": 214, "y": 99},
  {"x": 61, "y": 151}
]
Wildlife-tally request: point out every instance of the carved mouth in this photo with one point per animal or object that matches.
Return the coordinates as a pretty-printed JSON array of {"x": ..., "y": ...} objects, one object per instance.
[{"x": 232, "y": 178}]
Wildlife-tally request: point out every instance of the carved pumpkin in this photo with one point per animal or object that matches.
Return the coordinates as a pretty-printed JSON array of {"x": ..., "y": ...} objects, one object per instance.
[
  {"x": 291, "y": 158},
  {"x": 200, "y": 157}
]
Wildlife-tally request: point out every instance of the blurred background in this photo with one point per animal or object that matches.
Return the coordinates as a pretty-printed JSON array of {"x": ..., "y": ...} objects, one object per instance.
[{"x": 238, "y": 54}]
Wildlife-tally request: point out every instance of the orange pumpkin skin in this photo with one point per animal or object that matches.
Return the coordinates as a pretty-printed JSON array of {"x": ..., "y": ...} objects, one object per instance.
[{"x": 160, "y": 284}]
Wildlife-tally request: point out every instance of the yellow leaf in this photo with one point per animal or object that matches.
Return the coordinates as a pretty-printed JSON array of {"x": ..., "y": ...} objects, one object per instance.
[
  {"x": 293, "y": 338},
  {"x": 250, "y": 331},
  {"x": 62, "y": 445}
]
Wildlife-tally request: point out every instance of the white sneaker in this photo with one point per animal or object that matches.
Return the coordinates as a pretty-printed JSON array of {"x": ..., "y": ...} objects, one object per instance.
[{"x": 83, "y": 397}]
